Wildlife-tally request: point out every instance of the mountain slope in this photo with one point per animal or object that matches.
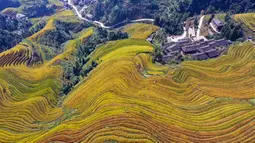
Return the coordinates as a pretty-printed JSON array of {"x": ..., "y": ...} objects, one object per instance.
[
  {"x": 127, "y": 98},
  {"x": 72, "y": 82}
]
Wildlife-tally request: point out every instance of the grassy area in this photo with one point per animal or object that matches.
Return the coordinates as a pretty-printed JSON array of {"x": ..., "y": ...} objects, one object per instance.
[
  {"x": 56, "y": 2},
  {"x": 140, "y": 30}
]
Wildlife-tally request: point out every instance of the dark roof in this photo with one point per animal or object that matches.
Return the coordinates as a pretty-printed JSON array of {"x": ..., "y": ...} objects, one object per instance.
[
  {"x": 174, "y": 47},
  {"x": 219, "y": 43},
  {"x": 222, "y": 42},
  {"x": 205, "y": 48},
  {"x": 174, "y": 53},
  {"x": 210, "y": 40},
  {"x": 183, "y": 41},
  {"x": 200, "y": 56},
  {"x": 212, "y": 53},
  {"x": 187, "y": 44},
  {"x": 214, "y": 44},
  {"x": 188, "y": 49},
  {"x": 165, "y": 52},
  {"x": 217, "y": 22},
  {"x": 167, "y": 57},
  {"x": 167, "y": 45},
  {"x": 204, "y": 43}
]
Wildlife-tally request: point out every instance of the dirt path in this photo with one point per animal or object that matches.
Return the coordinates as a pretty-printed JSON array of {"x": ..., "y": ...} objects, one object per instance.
[{"x": 98, "y": 23}]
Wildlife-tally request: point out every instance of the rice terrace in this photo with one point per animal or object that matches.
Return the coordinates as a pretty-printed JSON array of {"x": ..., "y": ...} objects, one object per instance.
[{"x": 122, "y": 71}]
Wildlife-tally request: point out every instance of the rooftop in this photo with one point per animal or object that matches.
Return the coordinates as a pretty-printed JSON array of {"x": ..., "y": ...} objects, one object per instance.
[
  {"x": 206, "y": 48},
  {"x": 200, "y": 56},
  {"x": 212, "y": 53},
  {"x": 218, "y": 22}
]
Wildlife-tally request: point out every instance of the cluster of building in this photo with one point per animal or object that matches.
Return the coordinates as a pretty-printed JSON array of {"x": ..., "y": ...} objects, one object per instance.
[{"x": 198, "y": 50}]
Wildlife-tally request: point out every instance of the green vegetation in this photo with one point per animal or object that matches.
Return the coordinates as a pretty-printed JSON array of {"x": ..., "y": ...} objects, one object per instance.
[
  {"x": 55, "y": 38},
  {"x": 74, "y": 71},
  {"x": 8, "y": 3},
  {"x": 231, "y": 30},
  {"x": 169, "y": 14},
  {"x": 30, "y": 8},
  {"x": 12, "y": 31}
]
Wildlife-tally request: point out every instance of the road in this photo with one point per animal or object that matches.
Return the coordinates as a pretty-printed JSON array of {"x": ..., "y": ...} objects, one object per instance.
[
  {"x": 177, "y": 38},
  {"x": 77, "y": 11},
  {"x": 200, "y": 25},
  {"x": 98, "y": 23}
]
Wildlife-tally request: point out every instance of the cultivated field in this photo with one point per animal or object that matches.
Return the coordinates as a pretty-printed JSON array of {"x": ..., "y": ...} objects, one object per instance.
[
  {"x": 140, "y": 30},
  {"x": 127, "y": 97},
  {"x": 248, "y": 19}
]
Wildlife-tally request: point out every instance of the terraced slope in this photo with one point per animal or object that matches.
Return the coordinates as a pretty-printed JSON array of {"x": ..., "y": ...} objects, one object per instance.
[
  {"x": 200, "y": 102},
  {"x": 248, "y": 19},
  {"x": 127, "y": 98},
  {"x": 21, "y": 54},
  {"x": 140, "y": 30},
  {"x": 72, "y": 46},
  {"x": 29, "y": 52},
  {"x": 29, "y": 98}
]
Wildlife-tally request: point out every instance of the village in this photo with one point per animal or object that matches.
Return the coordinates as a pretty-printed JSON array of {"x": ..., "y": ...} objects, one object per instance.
[{"x": 191, "y": 44}]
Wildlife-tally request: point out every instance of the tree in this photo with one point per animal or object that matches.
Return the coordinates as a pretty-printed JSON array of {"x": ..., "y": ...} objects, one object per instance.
[{"x": 211, "y": 18}]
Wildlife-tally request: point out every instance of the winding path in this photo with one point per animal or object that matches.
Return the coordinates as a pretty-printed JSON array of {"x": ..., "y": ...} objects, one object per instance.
[
  {"x": 184, "y": 35},
  {"x": 200, "y": 25},
  {"x": 98, "y": 23}
]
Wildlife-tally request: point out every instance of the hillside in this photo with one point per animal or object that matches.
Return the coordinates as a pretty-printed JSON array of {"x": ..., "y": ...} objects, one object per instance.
[
  {"x": 64, "y": 79},
  {"x": 35, "y": 8},
  {"x": 247, "y": 19},
  {"x": 127, "y": 98},
  {"x": 169, "y": 14}
]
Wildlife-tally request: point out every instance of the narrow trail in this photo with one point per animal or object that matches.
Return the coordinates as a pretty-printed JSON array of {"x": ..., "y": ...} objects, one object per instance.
[
  {"x": 100, "y": 24},
  {"x": 200, "y": 25}
]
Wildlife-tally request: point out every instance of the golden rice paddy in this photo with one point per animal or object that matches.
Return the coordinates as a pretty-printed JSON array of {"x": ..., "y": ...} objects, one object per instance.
[{"x": 127, "y": 98}]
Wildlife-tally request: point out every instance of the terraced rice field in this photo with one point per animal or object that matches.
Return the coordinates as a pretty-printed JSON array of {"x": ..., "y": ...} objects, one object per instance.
[
  {"x": 29, "y": 97},
  {"x": 121, "y": 104},
  {"x": 19, "y": 55},
  {"x": 248, "y": 19},
  {"x": 29, "y": 51},
  {"x": 127, "y": 98},
  {"x": 140, "y": 30}
]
